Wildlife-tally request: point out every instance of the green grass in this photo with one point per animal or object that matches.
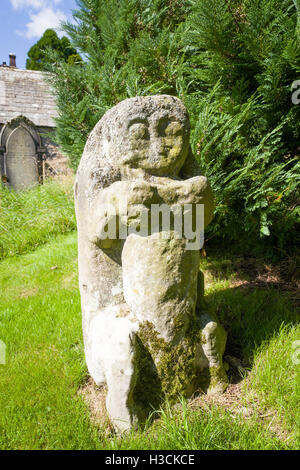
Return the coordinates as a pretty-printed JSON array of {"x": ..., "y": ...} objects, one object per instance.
[
  {"x": 33, "y": 217},
  {"x": 40, "y": 324},
  {"x": 275, "y": 378},
  {"x": 210, "y": 429},
  {"x": 40, "y": 407}
]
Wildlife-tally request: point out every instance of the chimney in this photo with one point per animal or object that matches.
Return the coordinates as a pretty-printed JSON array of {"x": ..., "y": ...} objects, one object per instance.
[{"x": 12, "y": 60}]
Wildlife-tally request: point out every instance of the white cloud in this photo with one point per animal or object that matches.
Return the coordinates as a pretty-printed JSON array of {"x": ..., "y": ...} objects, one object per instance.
[
  {"x": 42, "y": 20},
  {"x": 19, "y": 4},
  {"x": 35, "y": 4}
]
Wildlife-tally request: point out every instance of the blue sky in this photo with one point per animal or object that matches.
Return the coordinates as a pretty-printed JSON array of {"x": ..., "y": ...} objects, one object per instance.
[{"x": 23, "y": 22}]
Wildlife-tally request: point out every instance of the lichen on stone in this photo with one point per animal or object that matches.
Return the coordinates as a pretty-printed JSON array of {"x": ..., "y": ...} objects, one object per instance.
[{"x": 146, "y": 330}]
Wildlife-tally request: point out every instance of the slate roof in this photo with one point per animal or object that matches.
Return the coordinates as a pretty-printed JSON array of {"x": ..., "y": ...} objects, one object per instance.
[{"x": 26, "y": 93}]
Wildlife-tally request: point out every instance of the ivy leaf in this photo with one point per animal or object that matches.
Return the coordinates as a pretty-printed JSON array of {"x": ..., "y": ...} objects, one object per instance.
[{"x": 264, "y": 230}]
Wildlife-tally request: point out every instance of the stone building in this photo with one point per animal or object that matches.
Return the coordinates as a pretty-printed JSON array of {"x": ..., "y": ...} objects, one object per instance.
[{"x": 27, "y": 120}]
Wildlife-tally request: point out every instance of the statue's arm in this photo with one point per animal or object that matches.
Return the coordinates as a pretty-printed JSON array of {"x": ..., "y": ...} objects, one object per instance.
[
  {"x": 194, "y": 190},
  {"x": 120, "y": 203}
]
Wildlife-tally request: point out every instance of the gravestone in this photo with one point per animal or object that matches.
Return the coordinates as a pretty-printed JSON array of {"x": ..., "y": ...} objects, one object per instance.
[
  {"x": 21, "y": 159},
  {"x": 148, "y": 333}
]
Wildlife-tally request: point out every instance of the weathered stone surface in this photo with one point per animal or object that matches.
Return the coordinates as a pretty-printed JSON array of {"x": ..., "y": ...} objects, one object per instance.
[
  {"x": 21, "y": 159},
  {"x": 26, "y": 93},
  {"x": 146, "y": 332},
  {"x": 160, "y": 283}
]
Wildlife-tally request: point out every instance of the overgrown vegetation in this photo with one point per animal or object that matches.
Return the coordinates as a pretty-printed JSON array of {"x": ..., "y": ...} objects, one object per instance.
[
  {"x": 30, "y": 218},
  {"x": 233, "y": 63}
]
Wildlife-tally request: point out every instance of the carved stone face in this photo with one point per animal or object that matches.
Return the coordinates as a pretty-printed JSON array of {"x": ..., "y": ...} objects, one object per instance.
[
  {"x": 157, "y": 143},
  {"x": 150, "y": 133}
]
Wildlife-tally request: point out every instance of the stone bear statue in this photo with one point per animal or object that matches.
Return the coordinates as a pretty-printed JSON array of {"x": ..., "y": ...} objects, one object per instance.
[{"x": 147, "y": 332}]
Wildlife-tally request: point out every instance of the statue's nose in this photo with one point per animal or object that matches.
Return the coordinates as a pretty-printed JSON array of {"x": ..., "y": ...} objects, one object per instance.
[{"x": 157, "y": 146}]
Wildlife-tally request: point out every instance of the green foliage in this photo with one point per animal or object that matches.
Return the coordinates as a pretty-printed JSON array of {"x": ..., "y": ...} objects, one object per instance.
[
  {"x": 37, "y": 54},
  {"x": 233, "y": 63},
  {"x": 30, "y": 218},
  {"x": 246, "y": 128},
  {"x": 131, "y": 47}
]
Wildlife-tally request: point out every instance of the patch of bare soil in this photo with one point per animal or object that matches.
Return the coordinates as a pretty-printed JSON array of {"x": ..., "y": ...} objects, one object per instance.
[
  {"x": 70, "y": 282},
  {"x": 95, "y": 397},
  {"x": 252, "y": 272},
  {"x": 232, "y": 401},
  {"x": 29, "y": 292}
]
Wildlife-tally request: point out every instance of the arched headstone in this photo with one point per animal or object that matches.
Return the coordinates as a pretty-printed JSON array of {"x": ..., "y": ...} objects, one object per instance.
[{"x": 21, "y": 159}]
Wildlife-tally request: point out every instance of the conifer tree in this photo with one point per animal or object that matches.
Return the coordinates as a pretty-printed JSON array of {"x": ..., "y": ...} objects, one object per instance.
[
  {"x": 247, "y": 132},
  {"x": 131, "y": 47},
  {"x": 233, "y": 63}
]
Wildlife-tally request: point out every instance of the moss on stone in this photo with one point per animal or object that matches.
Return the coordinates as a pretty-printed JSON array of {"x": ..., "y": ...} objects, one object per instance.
[
  {"x": 175, "y": 363},
  {"x": 213, "y": 380}
]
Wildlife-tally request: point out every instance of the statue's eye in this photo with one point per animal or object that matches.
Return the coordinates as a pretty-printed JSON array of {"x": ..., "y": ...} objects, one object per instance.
[
  {"x": 174, "y": 129},
  {"x": 169, "y": 128},
  {"x": 139, "y": 131}
]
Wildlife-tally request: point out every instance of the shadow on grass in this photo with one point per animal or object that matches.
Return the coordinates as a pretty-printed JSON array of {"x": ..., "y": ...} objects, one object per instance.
[
  {"x": 249, "y": 272},
  {"x": 251, "y": 316}
]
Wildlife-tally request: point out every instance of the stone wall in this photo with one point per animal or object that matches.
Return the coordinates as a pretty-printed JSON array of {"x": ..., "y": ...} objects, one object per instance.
[{"x": 56, "y": 162}]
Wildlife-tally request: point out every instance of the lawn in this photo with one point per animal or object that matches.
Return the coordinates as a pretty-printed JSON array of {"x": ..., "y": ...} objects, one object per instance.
[
  {"x": 41, "y": 401},
  {"x": 30, "y": 218},
  {"x": 47, "y": 400}
]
